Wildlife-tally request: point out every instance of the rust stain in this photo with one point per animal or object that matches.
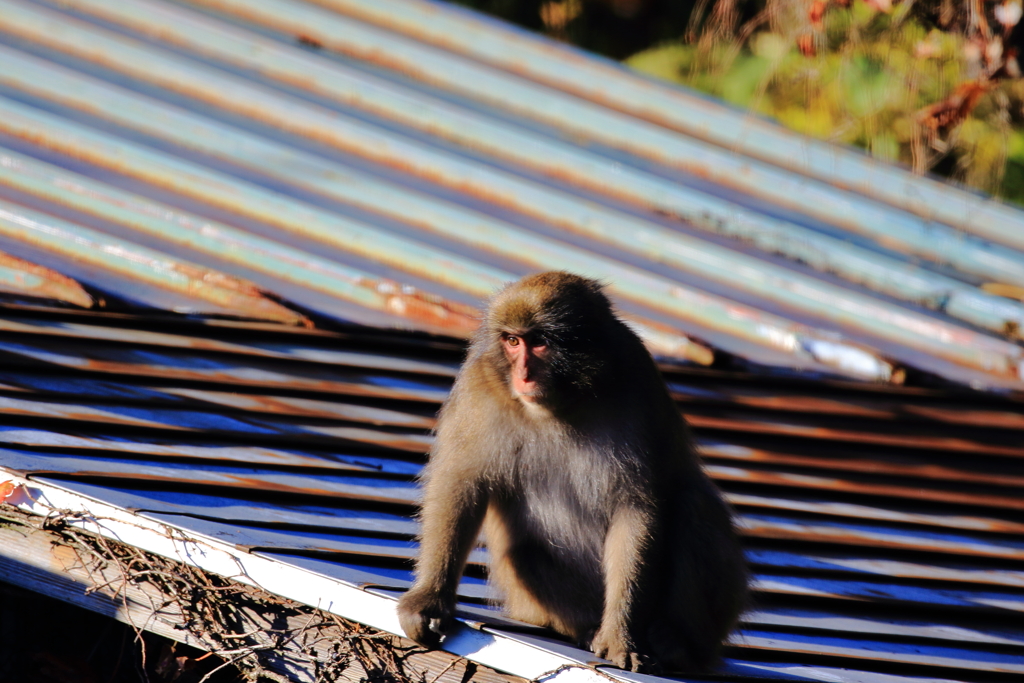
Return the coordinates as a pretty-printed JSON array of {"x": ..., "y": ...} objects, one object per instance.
[
  {"x": 79, "y": 414},
  {"x": 298, "y": 336},
  {"x": 356, "y": 386},
  {"x": 427, "y": 309},
  {"x": 309, "y": 42},
  {"x": 667, "y": 341},
  {"x": 876, "y": 514},
  {"x": 412, "y": 443},
  {"x": 158, "y": 448},
  {"x": 923, "y": 470},
  {"x": 979, "y": 418},
  {"x": 266, "y": 484},
  {"x": 916, "y": 441},
  {"x": 887, "y": 409},
  {"x": 817, "y": 483},
  {"x": 251, "y": 299},
  {"x": 253, "y": 483},
  {"x": 801, "y": 404},
  {"x": 53, "y": 285},
  {"x": 821, "y": 534},
  {"x": 281, "y": 405}
]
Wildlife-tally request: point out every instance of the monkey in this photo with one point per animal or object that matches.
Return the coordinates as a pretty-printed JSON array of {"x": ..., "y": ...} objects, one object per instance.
[{"x": 561, "y": 442}]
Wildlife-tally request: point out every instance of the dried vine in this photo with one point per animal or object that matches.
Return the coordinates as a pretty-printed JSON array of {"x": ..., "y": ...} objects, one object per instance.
[{"x": 257, "y": 633}]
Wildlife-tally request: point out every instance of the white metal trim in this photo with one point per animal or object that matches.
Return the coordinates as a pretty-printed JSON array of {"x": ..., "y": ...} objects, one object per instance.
[{"x": 294, "y": 583}]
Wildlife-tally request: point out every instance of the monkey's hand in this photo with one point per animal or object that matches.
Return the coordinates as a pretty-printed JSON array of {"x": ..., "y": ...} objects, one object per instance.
[
  {"x": 617, "y": 646},
  {"x": 426, "y": 616}
]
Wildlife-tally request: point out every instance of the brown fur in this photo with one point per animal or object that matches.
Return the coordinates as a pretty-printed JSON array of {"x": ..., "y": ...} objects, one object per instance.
[{"x": 599, "y": 520}]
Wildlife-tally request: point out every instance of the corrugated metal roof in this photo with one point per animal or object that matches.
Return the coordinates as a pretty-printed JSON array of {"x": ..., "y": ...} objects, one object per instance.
[
  {"x": 885, "y": 525},
  {"x": 310, "y": 165},
  {"x": 393, "y": 164}
]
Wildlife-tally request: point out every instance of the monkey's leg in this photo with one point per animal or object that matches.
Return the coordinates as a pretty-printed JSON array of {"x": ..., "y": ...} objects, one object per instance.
[
  {"x": 627, "y": 540},
  {"x": 705, "y": 588},
  {"x": 453, "y": 510},
  {"x": 537, "y": 588},
  {"x": 518, "y": 601}
]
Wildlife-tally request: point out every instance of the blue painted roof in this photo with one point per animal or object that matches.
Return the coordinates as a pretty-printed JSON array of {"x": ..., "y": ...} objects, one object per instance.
[{"x": 885, "y": 525}]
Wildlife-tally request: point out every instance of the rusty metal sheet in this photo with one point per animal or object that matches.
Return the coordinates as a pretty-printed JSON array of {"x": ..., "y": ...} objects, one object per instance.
[
  {"x": 863, "y": 648},
  {"x": 879, "y": 536},
  {"x": 182, "y": 366},
  {"x": 46, "y": 385},
  {"x": 551, "y": 157},
  {"x": 284, "y": 405},
  {"x": 988, "y": 419},
  {"x": 92, "y": 247},
  {"x": 349, "y": 570},
  {"x": 157, "y": 448},
  {"x": 371, "y": 489},
  {"x": 923, "y": 467},
  {"x": 253, "y": 346},
  {"x": 792, "y": 671},
  {"x": 855, "y": 644},
  {"x": 829, "y": 403},
  {"x": 947, "y": 655},
  {"x": 838, "y": 305},
  {"x": 222, "y": 507},
  {"x": 294, "y": 540},
  {"x": 775, "y": 400},
  {"x": 732, "y": 325},
  {"x": 573, "y": 116},
  {"x": 823, "y": 620},
  {"x": 242, "y": 510},
  {"x": 877, "y": 513},
  {"x": 889, "y": 592},
  {"x": 300, "y": 541},
  {"x": 920, "y": 492},
  {"x": 302, "y": 268},
  {"x": 807, "y": 347},
  {"x": 24, "y": 278},
  {"x": 368, "y": 574},
  {"x": 377, "y": 490},
  {"x": 91, "y": 389},
  {"x": 855, "y": 562},
  {"x": 213, "y": 423},
  {"x": 247, "y": 199},
  {"x": 218, "y": 243},
  {"x": 565, "y": 68},
  {"x": 730, "y": 421}
]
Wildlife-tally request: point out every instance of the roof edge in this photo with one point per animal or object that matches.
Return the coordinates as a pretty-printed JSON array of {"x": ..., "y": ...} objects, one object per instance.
[{"x": 345, "y": 600}]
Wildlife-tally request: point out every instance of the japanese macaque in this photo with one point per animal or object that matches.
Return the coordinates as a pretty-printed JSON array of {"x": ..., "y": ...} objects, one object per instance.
[{"x": 560, "y": 439}]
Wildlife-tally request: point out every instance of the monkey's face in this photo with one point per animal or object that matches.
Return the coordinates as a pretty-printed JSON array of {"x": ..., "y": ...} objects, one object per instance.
[
  {"x": 553, "y": 368},
  {"x": 528, "y": 355},
  {"x": 546, "y": 337}
]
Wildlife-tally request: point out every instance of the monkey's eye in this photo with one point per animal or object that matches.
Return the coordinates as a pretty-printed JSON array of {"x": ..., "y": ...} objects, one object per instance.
[{"x": 512, "y": 340}]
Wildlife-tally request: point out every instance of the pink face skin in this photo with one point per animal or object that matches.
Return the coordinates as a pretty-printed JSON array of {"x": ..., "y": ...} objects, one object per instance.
[{"x": 526, "y": 357}]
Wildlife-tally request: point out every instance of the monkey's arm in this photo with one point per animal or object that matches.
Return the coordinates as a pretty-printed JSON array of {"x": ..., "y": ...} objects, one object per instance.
[
  {"x": 628, "y": 537},
  {"x": 453, "y": 510}
]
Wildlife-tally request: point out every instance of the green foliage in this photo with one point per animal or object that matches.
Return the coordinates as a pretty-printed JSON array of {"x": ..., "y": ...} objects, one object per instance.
[{"x": 865, "y": 82}]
